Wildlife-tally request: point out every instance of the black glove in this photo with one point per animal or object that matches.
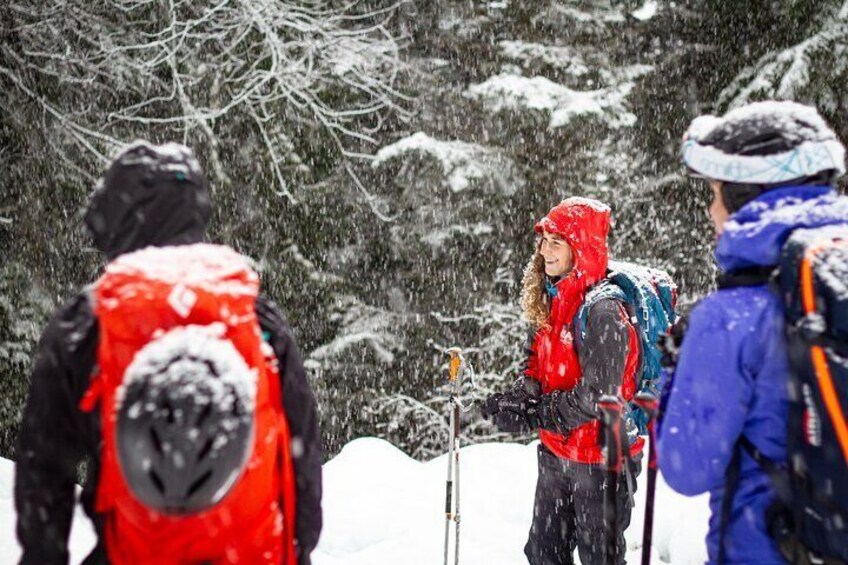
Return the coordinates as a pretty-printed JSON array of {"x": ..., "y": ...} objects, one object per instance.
[
  {"x": 547, "y": 412},
  {"x": 514, "y": 411},
  {"x": 670, "y": 343}
]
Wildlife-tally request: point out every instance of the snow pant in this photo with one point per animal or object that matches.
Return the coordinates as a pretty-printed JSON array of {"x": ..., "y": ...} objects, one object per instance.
[{"x": 569, "y": 512}]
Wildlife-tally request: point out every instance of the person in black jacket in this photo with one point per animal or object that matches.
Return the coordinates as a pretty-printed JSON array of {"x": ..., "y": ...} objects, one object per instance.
[
  {"x": 135, "y": 207},
  {"x": 562, "y": 379}
]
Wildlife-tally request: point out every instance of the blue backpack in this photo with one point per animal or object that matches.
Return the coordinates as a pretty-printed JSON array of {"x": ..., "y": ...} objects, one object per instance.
[{"x": 650, "y": 296}]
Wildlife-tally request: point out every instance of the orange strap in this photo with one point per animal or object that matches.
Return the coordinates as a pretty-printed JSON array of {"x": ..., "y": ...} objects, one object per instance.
[{"x": 823, "y": 375}]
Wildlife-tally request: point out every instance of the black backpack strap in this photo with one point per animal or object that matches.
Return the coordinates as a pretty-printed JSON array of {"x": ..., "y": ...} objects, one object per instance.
[
  {"x": 750, "y": 276},
  {"x": 778, "y": 475},
  {"x": 731, "y": 484}
]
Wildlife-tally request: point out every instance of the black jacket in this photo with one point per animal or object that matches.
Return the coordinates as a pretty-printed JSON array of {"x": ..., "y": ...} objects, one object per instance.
[{"x": 148, "y": 198}]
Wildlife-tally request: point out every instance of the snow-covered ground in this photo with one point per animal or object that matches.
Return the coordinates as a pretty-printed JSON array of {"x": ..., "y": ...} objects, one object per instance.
[
  {"x": 82, "y": 535},
  {"x": 382, "y": 507}
]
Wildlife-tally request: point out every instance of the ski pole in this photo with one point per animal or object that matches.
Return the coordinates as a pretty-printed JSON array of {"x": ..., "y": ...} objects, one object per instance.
[
  {"x": 649, "y": 404},
  {"x": 611, "y": 409},
  {"x": 457, "y": 367}
]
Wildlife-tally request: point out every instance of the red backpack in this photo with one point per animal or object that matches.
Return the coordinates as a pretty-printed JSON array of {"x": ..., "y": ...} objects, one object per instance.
[{"x": 195, "y": 459}]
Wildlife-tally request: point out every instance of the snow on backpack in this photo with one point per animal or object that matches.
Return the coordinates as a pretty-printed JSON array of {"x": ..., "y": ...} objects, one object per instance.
[
  {"x": 195, "y": 460},
  {"x": 810, "y": 519},
  {"x": 650, "y": 297}
]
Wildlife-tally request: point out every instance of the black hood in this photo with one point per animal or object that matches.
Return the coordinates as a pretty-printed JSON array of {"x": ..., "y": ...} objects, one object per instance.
[{"x": 150, "y": 195}]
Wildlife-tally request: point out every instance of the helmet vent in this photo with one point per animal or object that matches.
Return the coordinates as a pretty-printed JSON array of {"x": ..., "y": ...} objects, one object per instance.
[
  {"x": 154, "y": 437},
  {"x": 195, "y": 486},
  {"x": 157, "y": 481},
  {"x": 207, "y": 447},
  {"x": 201, "y": 418},
  {"x": 169, "y": 413}
]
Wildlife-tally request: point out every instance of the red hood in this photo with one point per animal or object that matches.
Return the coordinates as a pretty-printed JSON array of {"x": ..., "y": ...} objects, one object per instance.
[{"x": 584, "y": 223}]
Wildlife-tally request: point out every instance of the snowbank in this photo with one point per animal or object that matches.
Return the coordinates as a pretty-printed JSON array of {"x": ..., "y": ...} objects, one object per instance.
[
  {"x": 382, "y": 507},
  {"x": 82, "y": 534}
]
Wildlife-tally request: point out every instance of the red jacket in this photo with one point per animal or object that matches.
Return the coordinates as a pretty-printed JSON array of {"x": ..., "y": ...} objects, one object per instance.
[{"x": 554, "y": 359}]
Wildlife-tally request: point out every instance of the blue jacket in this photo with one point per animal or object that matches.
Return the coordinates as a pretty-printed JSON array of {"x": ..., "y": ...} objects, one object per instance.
[{"x": 732, "y": 375}]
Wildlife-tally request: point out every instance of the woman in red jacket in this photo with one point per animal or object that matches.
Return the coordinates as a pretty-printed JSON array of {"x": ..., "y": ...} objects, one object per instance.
[{"x": 563, "y": 378}]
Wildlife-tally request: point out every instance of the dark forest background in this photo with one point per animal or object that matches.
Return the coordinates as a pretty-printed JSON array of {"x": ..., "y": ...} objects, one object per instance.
[{"x": 384, "y": 162}]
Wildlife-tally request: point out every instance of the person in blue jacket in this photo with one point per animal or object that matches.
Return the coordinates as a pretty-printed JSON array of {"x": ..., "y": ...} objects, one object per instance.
[{"x": 771, "y": 167}]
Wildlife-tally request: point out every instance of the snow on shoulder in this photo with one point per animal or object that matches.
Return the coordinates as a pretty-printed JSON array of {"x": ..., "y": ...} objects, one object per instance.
[
  {"x": 833, "y": 265},
  {"x": 216, "y": 269}
]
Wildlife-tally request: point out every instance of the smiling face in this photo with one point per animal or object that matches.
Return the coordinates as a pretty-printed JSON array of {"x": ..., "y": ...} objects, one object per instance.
[{"x": 558, "y": 255}]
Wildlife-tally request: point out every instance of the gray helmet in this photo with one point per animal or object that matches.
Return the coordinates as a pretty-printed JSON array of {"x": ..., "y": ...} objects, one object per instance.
[
  {"x": 185, "y": 421},
  {"x": 763, "y": 146}
]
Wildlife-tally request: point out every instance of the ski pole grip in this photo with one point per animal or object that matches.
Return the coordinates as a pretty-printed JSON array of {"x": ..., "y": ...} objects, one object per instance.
[
  {"x": 647, "y": 402},
  {"x": 456, "y": 361},
  {"x": 610, "y": 406}
]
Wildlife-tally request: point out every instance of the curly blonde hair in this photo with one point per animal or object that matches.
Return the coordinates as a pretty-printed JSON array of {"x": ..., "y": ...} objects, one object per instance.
[{"x": 535, "y": 301}]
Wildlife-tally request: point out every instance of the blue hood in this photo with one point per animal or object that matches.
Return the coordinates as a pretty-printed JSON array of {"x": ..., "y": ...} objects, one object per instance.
[{"x": 755, "y": 234}]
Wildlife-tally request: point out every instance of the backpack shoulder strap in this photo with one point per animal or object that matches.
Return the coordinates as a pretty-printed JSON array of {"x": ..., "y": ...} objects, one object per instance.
[
  {"x": 751, "y": 276},
  {"x": 603, "y": 290},
  {"x": 731, "y": 484},
  {"x": 775, "y": 472}
]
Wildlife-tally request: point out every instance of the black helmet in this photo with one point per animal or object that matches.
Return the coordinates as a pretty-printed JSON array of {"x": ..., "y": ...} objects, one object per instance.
[
  {"x": 185, "y": 420},
  {"x": 763, "y": 146}
]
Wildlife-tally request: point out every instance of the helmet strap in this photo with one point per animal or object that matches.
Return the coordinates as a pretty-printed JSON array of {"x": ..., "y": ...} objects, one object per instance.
[{"x": 736, "y": 195}]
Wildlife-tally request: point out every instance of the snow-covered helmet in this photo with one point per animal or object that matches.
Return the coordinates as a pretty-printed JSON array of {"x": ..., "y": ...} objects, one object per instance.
[
  {"x": 185, "y": 421},
  {"x": 763, "y": 146}
]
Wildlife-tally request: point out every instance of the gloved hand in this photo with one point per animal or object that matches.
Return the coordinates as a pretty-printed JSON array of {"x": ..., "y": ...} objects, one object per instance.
[
  {"x": 514, "y": 411},
  {"x": 669, "y": 343}
]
